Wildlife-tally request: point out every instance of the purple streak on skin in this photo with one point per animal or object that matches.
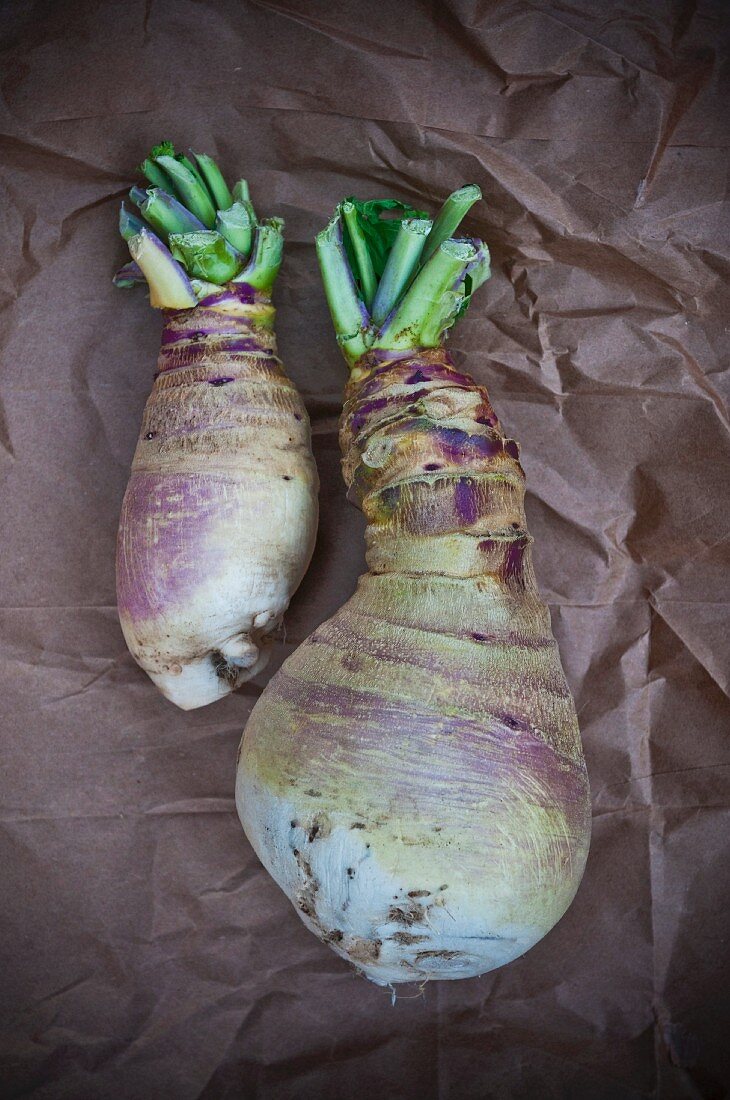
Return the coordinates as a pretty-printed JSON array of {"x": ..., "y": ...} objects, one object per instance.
[
  {"x": 459, "y": 445},
  {"x": 131, "y": 272},
  {"x": 391, "y": 374},
  {"x": 176, "y": 336},
  {"x": 241, "y": 292},
  {"x": 220, "y": 381},
  {"x": 146, "y": 588},
  {"x": 512, "y": 567},
  {"x": 170, "y": 357},
  {"x": 419, "y": 376},
  {"x": 398, "y": 402},
  {"x": 466, "y": 502},
  {"x": 194, "y": 335},
  {"x": 247, "y": 343},
  {"x": 489, "y": 756}
]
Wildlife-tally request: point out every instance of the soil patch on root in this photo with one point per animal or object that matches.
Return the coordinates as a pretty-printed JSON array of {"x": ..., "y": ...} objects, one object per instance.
[{"x": 362, "y": 950}]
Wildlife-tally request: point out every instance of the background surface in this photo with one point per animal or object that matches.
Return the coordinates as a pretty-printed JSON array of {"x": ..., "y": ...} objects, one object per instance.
[{"x": 146, "y": 952}]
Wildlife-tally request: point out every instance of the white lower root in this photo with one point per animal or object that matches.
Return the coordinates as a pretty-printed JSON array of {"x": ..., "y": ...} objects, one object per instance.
[{"x": 389, "y": 918}]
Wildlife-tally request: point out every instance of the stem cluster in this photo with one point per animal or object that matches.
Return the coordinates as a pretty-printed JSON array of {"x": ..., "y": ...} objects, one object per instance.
[
  {"x": 193, "y": 231},
  {"x": 425, "y": 285}
]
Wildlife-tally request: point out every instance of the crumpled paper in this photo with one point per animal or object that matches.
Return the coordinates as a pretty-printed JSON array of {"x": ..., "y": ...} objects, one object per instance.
[{"x": 146, "y": 952}]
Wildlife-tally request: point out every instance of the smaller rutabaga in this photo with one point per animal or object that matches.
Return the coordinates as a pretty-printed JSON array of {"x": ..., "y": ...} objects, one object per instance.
[
  {"x": 220, "y": 514},
  {"x": 413, "y": 776}
]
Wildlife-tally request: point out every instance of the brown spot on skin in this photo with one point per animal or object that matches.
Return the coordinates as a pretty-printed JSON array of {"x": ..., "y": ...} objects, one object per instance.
[
  {"x": 418, "y": 893},
  {"x": 406, "y": 938},
  {"x": 357, "y": 825},
  {"x": 313, "y": 794},
  {"x": 307, "y": 894},
  {"x": 335, "y": 936},
  {"x": 437, "y": 955},
  {"x": 413, "y": 914},
  {"x": 318, "y": 828},
  {"x": 362, "y": 950},
  {"x": 352, "y": 664}
]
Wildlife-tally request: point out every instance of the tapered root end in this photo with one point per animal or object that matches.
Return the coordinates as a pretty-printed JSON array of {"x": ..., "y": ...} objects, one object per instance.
[{"x": 196, "y": 683}]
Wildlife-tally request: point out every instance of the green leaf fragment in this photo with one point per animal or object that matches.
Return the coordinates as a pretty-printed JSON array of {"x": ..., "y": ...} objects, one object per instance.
[
  {"x": 206, "y": 255},
  {"x": 163, "y": 149}
]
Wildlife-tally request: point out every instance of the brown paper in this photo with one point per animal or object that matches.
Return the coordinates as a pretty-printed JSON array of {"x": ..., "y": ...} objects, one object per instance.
[{"x": 146, "y": 952}]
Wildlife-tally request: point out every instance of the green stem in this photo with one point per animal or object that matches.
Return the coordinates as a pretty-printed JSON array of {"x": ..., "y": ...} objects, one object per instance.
[
  {"x": 432, "y": 301},
  {"x": 214, "y": 180},
  {"x": 236, "y": 225},
  {"x": 449, "y": 217},
  {"x": 241, "y": 192},
  {"x": 129, "y": 224},
  {"x": 154, "y": 174},
  {"x": 263, "y": 267},
  {"x": 348, "y": 311},
  {"x": 193, "y": 170},
  {"x": 365, "y": 271},
  {"x": 169, "y": 285},
  {"x": 166, "y": 215},
  {"x": 190, "y": 189},
  {"x": 400, "y": 266}
]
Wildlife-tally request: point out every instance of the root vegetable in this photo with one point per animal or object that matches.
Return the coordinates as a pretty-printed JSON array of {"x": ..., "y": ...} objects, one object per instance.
[
  {"x": 413, "y": 776},
  {"x": 219, "y": 517}
]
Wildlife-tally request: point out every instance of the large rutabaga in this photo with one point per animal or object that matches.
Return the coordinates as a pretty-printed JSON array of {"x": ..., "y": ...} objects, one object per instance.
[
  {"x": 413, "y": 776},
  {"x": 219, "y": 517}
]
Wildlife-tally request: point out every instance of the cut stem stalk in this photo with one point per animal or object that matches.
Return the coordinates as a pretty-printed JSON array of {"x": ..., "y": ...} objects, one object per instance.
[
  {"x": 349, "y": 315},
  {"x": 365, "y": 271},
  {"x": 400, "y": 266},
  {"x": 432, "y": 300},
  {"x": 191, "y": 190},
  {"x": 449, "y": 218},
  {"x": 268, "y": 247}
]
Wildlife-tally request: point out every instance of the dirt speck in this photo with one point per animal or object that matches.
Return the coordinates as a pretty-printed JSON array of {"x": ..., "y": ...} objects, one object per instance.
[
  {"x": 406, "y": 938},
  {"x": 422, "y": 955}
]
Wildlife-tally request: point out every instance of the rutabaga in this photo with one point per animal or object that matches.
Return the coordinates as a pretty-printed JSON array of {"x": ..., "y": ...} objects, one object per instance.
[
  {"x": 413, "y": 776},
  {"x": 220, "y": 514}
]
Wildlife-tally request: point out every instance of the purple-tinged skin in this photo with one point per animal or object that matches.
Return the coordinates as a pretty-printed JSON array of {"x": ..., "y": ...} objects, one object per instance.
[
  {"x": 219, "y": 517},
  {"x": 413, "y": 776},
  {"x": 466, "y": 503},
  {"x": 129, "y": 274}
]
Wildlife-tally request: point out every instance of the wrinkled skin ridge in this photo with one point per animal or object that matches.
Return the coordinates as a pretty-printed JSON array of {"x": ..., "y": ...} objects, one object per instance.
[
  {"x": 219, "y": 517},
  {"x": 413, "y": 776}
]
